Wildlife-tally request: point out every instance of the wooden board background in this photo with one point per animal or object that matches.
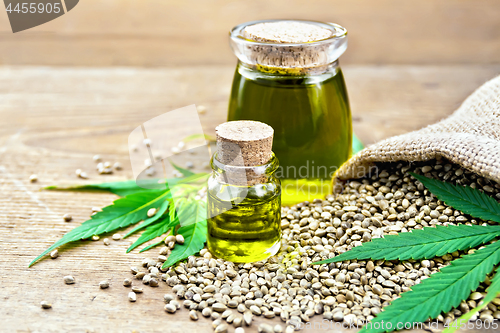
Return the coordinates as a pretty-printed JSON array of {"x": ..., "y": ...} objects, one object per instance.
[
  {"x": 171, "y": 33},
  {"x": 77, "y": 86}
]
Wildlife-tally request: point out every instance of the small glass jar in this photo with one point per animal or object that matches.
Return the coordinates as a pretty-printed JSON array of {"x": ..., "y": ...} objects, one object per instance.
[
  {"x": 299, "y": 90},
  {"x": 244, "y": 210}
]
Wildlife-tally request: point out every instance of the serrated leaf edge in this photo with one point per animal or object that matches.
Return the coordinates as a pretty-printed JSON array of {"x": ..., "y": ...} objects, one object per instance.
[
  {"x": 489, "y": 257},
  {"x": 394, "y": 243},
  {"x": 185, "y": 248},
  {"x": 492, "y": 292},
  {"x": 487, "y": 208},
  {"x": 95, "y": 221}
]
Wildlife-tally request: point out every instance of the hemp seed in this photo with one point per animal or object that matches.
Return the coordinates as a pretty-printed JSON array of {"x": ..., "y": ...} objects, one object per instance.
[
  {"x": 193, "y": 315},
  {"x": 68, "y": 279},
  {"x": 137, "y": 290},
  {"x": 179, "y": 239},
  {"x": 45, "y": 305},
  {"x": 222, "y": 328},
  {"x": 170, "y": 308},
  {"x": 127, "y": 282},
  {"x": 151, "y": 212}
]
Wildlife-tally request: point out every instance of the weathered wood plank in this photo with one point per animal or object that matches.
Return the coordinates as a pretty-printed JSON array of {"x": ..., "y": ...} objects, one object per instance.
[{"x": 168, "y": 33}]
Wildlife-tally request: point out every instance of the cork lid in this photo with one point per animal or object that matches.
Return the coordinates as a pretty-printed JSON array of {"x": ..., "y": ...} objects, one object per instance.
[
  {"x": 291, "y": 47},
  {"x": 286, "y": 32},
  {"x": 244, "y": 143}
]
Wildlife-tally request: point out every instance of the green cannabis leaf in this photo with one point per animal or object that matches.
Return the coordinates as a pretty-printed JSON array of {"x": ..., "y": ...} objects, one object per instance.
[
  {"x": 190, "y": 211},
  {"x": 206, "y": 137},
  {"x": 122, "y": 213},
  {"x": 466, "y": 199},
  {"x": 492, "y": 292},
  {"x": 127, "y": 187},
  {"x": 171, "y": 207},
  {"x": 150, "y": 246},
  {"x": 159, "y": 213},
  {"x": 357, "y": 145},
  {"x": 421, "y": 244},
  {"x": 133, "y": 208},
  {"x": 122, "y": 188},
  {"x": 155, "y": 230},
  {"x": 185, "y": 172},
  {"x": 194, "y": 230},
  {"x": 440, "y": 292}
]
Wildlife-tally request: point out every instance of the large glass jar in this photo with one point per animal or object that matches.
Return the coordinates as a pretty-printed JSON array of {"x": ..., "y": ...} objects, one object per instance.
[{"x": 299, "y": 90}]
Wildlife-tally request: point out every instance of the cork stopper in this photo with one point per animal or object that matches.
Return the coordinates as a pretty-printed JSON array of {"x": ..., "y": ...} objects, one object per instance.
[
  {"x": 286, "y": 32},
  {"x": 244, "y": 142},
  {"x": 289, "y": 47}
]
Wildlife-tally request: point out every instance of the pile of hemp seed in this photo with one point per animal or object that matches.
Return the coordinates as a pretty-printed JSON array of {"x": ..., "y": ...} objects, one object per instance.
[{"x": 289, "y": 287}]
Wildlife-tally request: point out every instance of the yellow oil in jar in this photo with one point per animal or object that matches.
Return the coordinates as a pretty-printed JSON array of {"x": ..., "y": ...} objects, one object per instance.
[
  {"x": 246, "y": 228},
  {"x": 311, "y": 118}
]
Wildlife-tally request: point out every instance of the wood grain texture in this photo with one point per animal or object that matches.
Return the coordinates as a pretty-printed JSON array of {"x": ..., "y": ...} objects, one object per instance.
[
  {"x": 195, "y": 32},
  {"x": 53, "y": 120}
]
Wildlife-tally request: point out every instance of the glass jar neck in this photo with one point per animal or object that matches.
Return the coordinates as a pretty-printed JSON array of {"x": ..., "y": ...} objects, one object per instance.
[
  {"x": 318, "y": 74},
  {"x": 296, "y": 58},
  {"x": 244, "y": 175}
]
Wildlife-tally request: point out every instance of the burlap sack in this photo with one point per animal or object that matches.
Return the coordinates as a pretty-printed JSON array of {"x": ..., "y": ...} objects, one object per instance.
[{"x": 470, "y": 137}]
